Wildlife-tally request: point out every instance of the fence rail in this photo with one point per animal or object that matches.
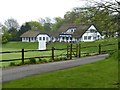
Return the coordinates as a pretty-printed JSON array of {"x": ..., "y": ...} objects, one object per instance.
[{"x": 70, "y": 52}]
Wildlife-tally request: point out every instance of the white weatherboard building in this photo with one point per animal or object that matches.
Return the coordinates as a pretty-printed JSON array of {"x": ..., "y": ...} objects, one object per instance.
[
  {"x": 35, "y": 36},
  {"x": 91, "y": 34},
  {"x": 66, "y": 33},
  {"x": 77, "y": 33}
]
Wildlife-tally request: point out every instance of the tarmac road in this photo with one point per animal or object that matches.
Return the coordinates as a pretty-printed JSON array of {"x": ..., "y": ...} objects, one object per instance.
[{"x": 13, "y": 73}]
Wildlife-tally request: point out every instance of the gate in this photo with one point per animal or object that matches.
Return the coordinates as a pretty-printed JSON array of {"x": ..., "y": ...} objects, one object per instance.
[{"x": 73, "y": 50}]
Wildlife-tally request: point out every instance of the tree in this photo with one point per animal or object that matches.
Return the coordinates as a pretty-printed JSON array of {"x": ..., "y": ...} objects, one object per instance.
[
  {"x": 46, "y": 23},
  {"x": 113, "y": 7},
  {"x": 25, "y": 27},
  {"x": 13, "y": 32},
  {"x": 42, "y": 21},
  {"x": 35, "y": 25},
  {"x": 47, "y": 27},
  {"x": 58, "y": 23},
  {"x": 70, "y": 17},
  {"x": 11, "y": 23},
  {"x": 6, "y": 37}
]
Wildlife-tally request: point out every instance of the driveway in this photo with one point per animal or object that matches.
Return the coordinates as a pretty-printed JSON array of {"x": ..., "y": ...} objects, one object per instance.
[{"x": 13, "y": 73}]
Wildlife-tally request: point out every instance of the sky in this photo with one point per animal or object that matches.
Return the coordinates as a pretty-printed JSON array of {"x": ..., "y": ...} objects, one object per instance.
[{"x": 32, "y": 10}]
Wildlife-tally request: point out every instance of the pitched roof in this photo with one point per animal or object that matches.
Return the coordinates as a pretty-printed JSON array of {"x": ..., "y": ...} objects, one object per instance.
[
  {"x": 80, "y": 29},
  {"x": 31, "y": 33},
  {"x": 63, "y": 28}
]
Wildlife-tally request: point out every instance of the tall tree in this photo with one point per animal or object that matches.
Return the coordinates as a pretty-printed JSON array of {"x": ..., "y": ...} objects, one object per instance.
[
  {"x": 25, "y": 27},
  {"x": 11, "y": 23},
  {"x": 58, "y": 23},
  {"x": 35, "y": 25},
  {"x": 13, "y": 32},
  {"x": 70, "y": 16},
  {"x": 46, "y": 23}
]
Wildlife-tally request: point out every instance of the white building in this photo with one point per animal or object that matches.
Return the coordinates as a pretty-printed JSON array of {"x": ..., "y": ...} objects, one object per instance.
[
  {"x": 66, "y": 33},
  {"x": 91, "y": 34},
  {"x": 76, "y": 33},
  {"x": 34, "y": 36}
]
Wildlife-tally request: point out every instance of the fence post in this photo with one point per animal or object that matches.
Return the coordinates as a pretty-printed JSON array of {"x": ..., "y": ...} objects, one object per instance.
[
  {"x": 79, "y": 50},
  {"x": 67, "y": 51},
  {"x": 99, "y": 48},
  {"x": 71, "y": 51},
  {"x": 76, "y": 50},
  {"x": 53, "y": 53},
  {"x": 22, "y": 56}
]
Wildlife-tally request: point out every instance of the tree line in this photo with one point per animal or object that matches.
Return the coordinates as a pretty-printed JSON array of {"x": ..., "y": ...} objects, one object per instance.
[{"x": 103, "y": 15}]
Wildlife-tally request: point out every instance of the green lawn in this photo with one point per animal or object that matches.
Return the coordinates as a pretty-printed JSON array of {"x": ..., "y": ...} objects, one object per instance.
[
  {"x": 101, "y": 74},
  {"x": 17, "y": 46}
]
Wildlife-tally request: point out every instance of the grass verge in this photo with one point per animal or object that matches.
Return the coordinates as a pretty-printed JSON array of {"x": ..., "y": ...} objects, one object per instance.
[{"x": 101, "y": 74}]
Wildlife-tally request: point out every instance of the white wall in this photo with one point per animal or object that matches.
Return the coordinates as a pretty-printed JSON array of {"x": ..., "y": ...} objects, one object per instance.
[
  {"x": 30, "y": 39},
  {"x": 43, "y": 37},
  {"x": 91, "y": 36}
]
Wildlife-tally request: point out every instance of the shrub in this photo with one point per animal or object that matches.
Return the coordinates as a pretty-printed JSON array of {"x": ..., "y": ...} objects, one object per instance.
[
  {"x": 64, "y": 58},
  {"x": 39, "y": 59},
  {"x": 56, "y": 59},
  {"x": 32, "y": 61},
  {"x": 12, "y": 64}
]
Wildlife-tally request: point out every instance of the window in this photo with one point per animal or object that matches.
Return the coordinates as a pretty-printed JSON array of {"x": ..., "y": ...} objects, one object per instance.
[
  {"x": 92, "y": 30},
  {"x": 71, "y": 38},
  {"x": 47, "y": 38},
  {"x": 98, "y": 36},
  {"x": 67, "y": 38},
  {"x": 85, "y": 37},
  {"x": 89, "y": 37},
  {"x": 40, "y": 38},
  {"x": 43, "y": 38},
  {"x": 52, "y": 38},
  {"x": 94, "y": 38},
  {"x": 31, "y": 38},
  {"x": 72, "y": 30}
]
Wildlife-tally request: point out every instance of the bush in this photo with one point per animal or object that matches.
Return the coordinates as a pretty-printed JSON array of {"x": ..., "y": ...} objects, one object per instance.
[
  {"x": 40, "y": 59},
  {"x": 12, "y": 64},
  {"x": 56, "y": 59},
  {"x": 32, "y": 61}
]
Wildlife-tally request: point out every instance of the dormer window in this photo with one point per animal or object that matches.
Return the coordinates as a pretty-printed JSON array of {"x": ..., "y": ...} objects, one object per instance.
[
  {"x": 93, "y": 31},
  {"x": 72, "y": 30}
]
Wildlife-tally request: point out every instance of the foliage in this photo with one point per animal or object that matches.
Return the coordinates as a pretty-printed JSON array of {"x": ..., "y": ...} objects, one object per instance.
[
  {"x": 6, "y": 37},
  {"x": 13, "y": 32},
  {"x": 35, "y": 25},
  {"x": 12, "y": 64},
  {"x": 47, "y": 27},
  {"x": 12, "y": 23},
  {"x": 25, "y": 27},
  {"x": 32, "y": 61},
  {"x": 102, "y": 18},
  {"x": 58, "y": 23}
]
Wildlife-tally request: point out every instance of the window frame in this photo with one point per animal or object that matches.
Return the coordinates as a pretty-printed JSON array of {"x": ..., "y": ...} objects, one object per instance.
[
  {"x": 43, "y": 38},
  {"x": 85, "y": 37}
]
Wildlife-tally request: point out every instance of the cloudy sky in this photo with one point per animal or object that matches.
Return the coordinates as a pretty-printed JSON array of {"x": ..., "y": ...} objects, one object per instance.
[{"x": 27, "y": 10}]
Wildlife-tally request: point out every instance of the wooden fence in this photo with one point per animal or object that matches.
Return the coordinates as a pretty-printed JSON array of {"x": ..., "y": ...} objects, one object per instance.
[{"x": 72, "y": 50}]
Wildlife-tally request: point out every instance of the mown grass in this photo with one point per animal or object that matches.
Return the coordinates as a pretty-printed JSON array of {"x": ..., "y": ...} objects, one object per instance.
[
  {"x": 17, "y": 46},
  {"x": 101, "y": 74}
]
